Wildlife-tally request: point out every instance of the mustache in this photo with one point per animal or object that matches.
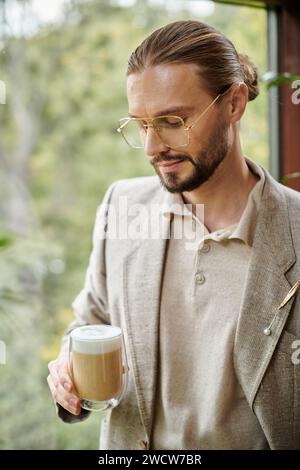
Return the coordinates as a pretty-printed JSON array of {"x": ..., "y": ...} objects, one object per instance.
[{"x": 165, "y": 158}]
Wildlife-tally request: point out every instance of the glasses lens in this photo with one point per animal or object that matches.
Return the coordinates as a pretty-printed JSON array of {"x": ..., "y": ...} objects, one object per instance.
[
  {"x": 169, "y": 128},
  {"x": 134, "y": 133},
  {"x": 171, "y": 131}
]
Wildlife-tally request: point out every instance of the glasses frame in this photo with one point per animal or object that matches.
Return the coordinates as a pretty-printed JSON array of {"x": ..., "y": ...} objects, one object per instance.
[{"x": 151, "y": 123}]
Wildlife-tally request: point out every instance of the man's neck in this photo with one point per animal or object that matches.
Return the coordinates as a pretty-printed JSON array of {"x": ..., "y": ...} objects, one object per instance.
[{"x": 225, "y": 194}]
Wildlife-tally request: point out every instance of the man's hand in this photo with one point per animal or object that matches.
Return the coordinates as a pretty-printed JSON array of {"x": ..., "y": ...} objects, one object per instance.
[{"x": 61, "y": 386}]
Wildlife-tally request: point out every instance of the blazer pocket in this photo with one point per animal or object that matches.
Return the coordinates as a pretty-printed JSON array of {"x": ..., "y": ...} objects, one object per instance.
[{"x": 277, "y": 402}]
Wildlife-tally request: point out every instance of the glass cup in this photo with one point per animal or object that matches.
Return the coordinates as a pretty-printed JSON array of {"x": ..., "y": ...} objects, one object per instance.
[{"x": 98, "y": 365}]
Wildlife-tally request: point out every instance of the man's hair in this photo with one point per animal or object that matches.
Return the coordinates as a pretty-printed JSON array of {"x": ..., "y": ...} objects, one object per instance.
[{"x": 193, "y": 42}]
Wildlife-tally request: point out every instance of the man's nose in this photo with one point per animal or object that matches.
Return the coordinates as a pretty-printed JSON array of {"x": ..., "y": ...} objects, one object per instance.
[{"x": 153, "y": 143}]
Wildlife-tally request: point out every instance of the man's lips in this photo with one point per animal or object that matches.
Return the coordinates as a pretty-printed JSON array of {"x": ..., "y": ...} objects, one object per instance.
[{"x": 170, "y": 166}]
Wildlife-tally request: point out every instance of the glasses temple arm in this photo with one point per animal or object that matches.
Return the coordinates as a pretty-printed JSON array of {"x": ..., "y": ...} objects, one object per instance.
[{"x": 205, "y": 111}]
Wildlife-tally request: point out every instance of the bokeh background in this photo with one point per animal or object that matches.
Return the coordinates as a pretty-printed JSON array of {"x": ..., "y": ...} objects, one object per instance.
[{"x": 63, "y": 63}]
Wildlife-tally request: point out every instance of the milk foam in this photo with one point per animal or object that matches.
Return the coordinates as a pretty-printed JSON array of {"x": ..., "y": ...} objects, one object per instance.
[{"x": 96, "y": 339}]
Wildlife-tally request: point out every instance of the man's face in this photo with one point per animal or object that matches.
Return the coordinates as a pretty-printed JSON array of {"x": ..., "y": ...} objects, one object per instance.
[{"x": 175, "y": 89}]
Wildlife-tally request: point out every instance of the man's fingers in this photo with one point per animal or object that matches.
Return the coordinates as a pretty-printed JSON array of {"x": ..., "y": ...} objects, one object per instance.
[
  {"x": 60, "y": 372},
  {"x": 65, "y": 380},
  {"x": 61, "y": 386},
  {"x": 59, "y": 375},
  {"x": 68, "y": 401}
]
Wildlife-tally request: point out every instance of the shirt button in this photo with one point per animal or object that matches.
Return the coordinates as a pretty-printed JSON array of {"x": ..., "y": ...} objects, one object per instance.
[
  {"x": 143, "y": 444},
  {"x": 205, "y": 248},
  {"x": 200, "y": 278}
]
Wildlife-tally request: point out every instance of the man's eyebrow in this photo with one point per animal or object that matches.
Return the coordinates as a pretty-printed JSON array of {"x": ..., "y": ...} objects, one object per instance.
[{"x": 169, "y": 111}]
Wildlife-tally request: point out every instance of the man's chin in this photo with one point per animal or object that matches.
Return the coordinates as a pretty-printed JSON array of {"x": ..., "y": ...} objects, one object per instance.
[
  {"x": 171, "y": 189},
  {"x": 173, "y": 183}
]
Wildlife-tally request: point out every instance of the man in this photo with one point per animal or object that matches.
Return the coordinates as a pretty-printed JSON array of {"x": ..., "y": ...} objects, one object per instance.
[{"x": 210, "y": 331}]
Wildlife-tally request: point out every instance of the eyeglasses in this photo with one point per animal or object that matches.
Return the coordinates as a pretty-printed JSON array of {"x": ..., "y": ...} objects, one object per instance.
[{"x": 172, "y": 130}]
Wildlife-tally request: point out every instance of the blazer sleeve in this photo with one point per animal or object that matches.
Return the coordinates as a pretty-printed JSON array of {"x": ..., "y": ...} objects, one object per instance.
[{"x": 91, "y": 305}]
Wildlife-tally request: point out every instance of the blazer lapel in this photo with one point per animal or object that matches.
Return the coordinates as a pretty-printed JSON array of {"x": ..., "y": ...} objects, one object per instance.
[
  {"x": 142, "y": 278},
  {"x": 267, "y": 286}
]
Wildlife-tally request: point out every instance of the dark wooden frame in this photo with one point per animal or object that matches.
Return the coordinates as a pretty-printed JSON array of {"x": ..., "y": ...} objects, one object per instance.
[
  {"x": 289, "y": 112},
  {"x": 288, "y": 14}
]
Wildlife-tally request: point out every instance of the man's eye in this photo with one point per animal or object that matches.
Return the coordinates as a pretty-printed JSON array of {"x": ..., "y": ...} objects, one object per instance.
[{"x": 171, "y": 122}]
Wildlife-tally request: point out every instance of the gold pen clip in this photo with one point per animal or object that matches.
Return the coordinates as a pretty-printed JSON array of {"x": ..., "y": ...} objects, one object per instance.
[{"x": 290, "y": 294}]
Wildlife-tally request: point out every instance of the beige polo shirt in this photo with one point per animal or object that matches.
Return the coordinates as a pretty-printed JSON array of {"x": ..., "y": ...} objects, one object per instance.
[{"x": 199, "y": 402}]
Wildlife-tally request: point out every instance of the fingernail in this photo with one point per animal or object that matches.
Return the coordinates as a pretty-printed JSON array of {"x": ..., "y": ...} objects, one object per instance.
[{"x": 67, "y": 386}]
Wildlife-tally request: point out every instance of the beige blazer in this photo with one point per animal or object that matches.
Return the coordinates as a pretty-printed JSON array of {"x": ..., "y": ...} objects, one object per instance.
[{"x": 123, "y": 287}]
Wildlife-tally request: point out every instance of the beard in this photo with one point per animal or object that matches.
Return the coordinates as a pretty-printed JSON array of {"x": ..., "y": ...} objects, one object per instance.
[{"x": 204, "y": 165}]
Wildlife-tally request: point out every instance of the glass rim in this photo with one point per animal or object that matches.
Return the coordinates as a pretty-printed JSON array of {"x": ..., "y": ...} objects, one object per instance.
[{"x": 75, "y": 335}]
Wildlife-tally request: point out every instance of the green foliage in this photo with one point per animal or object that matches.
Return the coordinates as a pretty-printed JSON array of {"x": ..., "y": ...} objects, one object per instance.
[
  {"x": 290, "y": 176},
  {"x": 277, "y": 80},
  {"x": 5, "y": 241},
  {"x": 68, "y": 83},
  {"x": 21, "y": 393}
]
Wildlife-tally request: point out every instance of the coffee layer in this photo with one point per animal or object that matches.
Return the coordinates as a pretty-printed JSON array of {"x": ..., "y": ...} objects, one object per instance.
[{"x": 98, "y": 376}]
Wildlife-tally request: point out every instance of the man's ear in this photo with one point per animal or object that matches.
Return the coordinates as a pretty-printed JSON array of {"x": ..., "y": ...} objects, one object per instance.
[{"x": 238, "y": 102}]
